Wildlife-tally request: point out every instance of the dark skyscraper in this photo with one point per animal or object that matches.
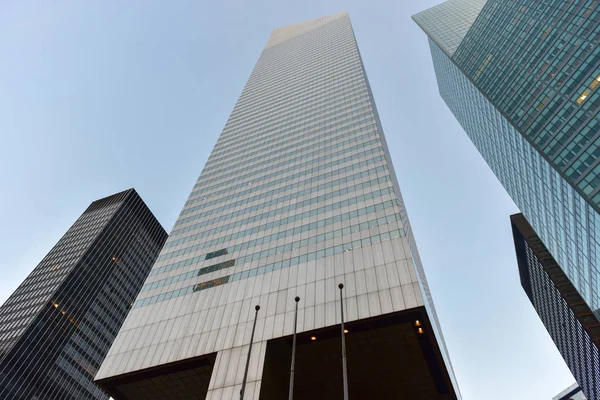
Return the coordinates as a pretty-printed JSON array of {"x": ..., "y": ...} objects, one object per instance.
[
  {"x": 569, "y": 321},
  {"x": 299, "y": 194},
  {"x": 522, "y": 78},
  {"x": 57, "y": 327}
]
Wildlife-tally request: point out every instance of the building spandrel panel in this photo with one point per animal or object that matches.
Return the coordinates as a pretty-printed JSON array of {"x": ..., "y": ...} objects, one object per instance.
[{"x": 297, "y": 196}]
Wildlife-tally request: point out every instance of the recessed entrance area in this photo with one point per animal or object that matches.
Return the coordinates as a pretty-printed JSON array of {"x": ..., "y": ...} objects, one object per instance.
[
  {"x": 184, "y": 380},
  {"x": 389, "y": 357}
]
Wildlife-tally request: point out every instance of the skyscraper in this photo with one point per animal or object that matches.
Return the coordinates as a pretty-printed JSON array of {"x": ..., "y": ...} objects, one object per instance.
[
  {"x": 57, "y": 327},
  {"x": 569, "y": 321},
  {"x": 298, "y": 195},
  {"x": 521, "y": 77}
]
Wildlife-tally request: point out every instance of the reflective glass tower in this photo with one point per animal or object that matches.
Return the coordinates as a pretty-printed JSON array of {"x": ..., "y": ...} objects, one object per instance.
[
  {"x": 57, "y": 327},
  {"x": 522, "y": 79},
  {"x": 298, "y": 195}
]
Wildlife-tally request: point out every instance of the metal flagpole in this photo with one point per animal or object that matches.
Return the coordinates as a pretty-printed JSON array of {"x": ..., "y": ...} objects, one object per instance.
[
  {"x": 291, "y": 396},
  {"x": 344, "y": 370},
  {"x": 249, "y": 351}
]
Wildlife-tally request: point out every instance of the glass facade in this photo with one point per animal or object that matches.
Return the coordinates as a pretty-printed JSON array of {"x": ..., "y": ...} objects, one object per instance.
[
  {"x": 521, "y": 78},
  {"x": 521, "y": 82},
  {"x": 448, "y": 22},
  {"x": 566, "y": 222},
  {"x": 539, "y": 62},
  {"x": 57, "y": 327},
  {"x": 298, "y": 194}
]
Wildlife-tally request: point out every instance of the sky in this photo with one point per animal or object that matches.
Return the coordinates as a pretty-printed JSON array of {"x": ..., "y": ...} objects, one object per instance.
[{"x": 100, "y": 96}]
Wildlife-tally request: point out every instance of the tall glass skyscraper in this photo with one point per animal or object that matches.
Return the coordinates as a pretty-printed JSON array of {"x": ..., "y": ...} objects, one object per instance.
[
  {"x": 57, "y": 327},
  {"x": 521, "y": 77},
  {"x": 298, "y": 195}
]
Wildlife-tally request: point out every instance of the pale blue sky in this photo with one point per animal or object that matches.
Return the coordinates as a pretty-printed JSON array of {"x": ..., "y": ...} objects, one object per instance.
[{"x": 100, "y": 96}]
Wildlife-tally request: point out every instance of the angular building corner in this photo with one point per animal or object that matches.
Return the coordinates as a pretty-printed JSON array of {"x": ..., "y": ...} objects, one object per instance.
[
  {"x": 522, "y": 79},
  {"x": 298, "y": 195},
  {"x": 57, "y": 327},
  {"x": 573, "y": 392}
]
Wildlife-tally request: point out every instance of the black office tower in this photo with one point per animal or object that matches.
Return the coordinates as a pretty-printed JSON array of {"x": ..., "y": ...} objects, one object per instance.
[
  {"x": 57, "y": 327},
  {"x": 570, "y": 322}
]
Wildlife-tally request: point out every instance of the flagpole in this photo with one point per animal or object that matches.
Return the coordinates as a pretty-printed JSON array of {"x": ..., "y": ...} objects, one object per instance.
[
  {"x": 291, "y": 396},
  {"x": 344, "y": 370},
  {"x": 249, "y": 351}
]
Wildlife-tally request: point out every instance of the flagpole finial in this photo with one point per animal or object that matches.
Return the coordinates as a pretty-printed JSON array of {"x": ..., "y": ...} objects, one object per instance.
[
  {"x": 297, "y": 299},
  {"x": 341, "y": 285},
  {"x": 257, "y": 308}
]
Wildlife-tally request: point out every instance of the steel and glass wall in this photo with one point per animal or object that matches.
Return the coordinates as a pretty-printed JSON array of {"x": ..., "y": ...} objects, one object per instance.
[
  {"x": 522, "y": 81},
  {"x": 571, "y": 324},
  {"x": 539, "y": 62},
  {"x": 57, "y": 327},
  {"x": 298, "y": 195}
]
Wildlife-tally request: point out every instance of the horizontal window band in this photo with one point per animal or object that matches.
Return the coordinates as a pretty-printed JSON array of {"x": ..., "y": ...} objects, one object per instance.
[
  {"x": 261, "y": 206},
  {"x": 281, "y": 222},
  {"x": 279, "y": 173},
  {"x": 279, "y": 249},
  {"x": 347, "y": 123},
  {"x": 274, "y": 139},
  {"x": 291, "y": 196},
  {"x": 297, "y": 156},
  {"x": 291, "y": 262}
]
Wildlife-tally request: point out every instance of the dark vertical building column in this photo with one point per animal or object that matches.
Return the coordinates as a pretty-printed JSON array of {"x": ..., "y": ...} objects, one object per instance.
[{"x": 570, "y": 322}]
